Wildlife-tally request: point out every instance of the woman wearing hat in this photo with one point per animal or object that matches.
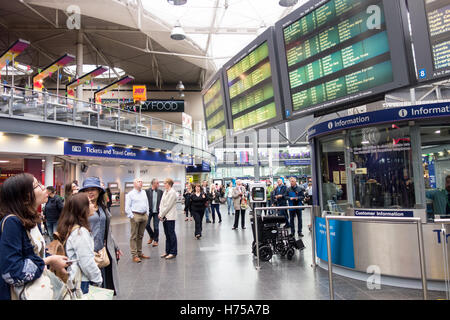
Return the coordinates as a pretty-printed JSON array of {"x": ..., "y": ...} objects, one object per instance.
[{"x": 101, "y": 231}]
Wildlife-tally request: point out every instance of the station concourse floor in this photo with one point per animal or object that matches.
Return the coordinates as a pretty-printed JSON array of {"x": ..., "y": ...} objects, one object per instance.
[{"x": 221, "y": 266}]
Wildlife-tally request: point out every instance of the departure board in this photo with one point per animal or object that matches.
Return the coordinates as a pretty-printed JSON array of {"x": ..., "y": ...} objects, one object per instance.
[
  {"x": 334, "y": 53},
  {"x": 214, "y": 109},
  {"x": 430, "y": 23},
  {"x": 251, "y": 77}
]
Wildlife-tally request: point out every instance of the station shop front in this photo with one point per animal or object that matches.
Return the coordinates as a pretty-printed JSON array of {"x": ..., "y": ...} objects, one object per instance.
[{"x": 386, "y": 163}]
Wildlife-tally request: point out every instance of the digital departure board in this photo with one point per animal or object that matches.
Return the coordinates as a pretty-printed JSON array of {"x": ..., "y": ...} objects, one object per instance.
[
  {"x": 214, "y": 109},
  {"x": 252, "y": 85},
  {"x": 430, "y": 23},
  {"x": 334, "y": 54}
]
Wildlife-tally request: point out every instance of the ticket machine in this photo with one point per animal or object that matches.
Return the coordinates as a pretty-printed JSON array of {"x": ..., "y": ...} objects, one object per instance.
[{"x": 115, "y": 193}]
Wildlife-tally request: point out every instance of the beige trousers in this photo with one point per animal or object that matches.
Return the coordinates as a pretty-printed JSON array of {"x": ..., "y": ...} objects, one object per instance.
[{"x": 138, "y": 224}]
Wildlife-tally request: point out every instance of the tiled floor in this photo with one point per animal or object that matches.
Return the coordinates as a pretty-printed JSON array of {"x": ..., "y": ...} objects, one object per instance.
[{"x": 221, "y": 266}]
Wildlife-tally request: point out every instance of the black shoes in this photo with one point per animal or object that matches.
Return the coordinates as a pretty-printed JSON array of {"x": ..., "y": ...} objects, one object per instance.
[
  {"x": 233, "y": 228},
  {"x": 198, "y": 236},
  {"x": 208, "y": 221},
  {"x": 220, "y": 221},
  {"x": 301, "y": 235}
]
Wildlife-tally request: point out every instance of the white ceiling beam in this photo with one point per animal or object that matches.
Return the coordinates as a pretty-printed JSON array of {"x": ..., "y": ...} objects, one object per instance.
[
  {"x": 38, "y": 13},
  {"x": 105, "y": 59}
]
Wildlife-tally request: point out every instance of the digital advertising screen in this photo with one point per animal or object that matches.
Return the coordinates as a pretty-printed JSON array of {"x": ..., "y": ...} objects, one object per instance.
[
  {"x": 338, "y": 52},
  {"x": 214, "y": 109},
  {"x": 430, "y": 24},
  {"x": 252, "y": 85}
]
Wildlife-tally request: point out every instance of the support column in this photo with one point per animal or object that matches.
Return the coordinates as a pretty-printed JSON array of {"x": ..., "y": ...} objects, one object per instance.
[
  {"x": 80, "y": 63},
  {"x": 137, "y": 170},
  {"x": 78, "y": 175},
  {"x": 255, "y": 155},
  {"x": 49, "y": 170}
]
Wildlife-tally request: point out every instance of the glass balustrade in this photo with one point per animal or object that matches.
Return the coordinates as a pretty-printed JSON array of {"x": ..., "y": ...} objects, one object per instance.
[{"x": 48, "y": 107}]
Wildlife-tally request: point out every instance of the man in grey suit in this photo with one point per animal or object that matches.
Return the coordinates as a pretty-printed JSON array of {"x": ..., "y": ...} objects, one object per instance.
[{"x": 154, "y": 196}]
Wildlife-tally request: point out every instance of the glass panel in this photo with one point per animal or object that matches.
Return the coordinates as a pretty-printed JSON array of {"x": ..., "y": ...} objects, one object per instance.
[
  {"x": 128, "y": 121},
  {"x": 109, "y": 118},
  {"x": 384, "y": 176},
  {"x": 157, "y": 128},
  {"x": 436, "y": 169},
  {"x": 334, "y": 192}
]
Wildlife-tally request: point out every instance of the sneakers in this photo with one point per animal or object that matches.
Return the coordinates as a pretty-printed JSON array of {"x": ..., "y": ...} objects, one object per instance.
[
  {"x": 233, "y": 228},
  {"x": 170, "y": 256},
  {"x": 208, "y": 221},
  {"x": 164, "y": 255},
  {"x": 197, "y": 236}
]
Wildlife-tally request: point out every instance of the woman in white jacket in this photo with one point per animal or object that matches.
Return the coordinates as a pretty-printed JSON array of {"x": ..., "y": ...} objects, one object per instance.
[
  {"x": 168, "y": 215},
  {"x": 74, "y": 230}
]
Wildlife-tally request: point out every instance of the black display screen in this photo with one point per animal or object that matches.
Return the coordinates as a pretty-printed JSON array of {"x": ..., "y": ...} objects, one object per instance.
[{"x": 214, "y": 110}]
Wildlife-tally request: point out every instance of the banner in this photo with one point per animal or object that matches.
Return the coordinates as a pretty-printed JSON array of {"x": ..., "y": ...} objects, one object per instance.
[
  {"x": 70, "y": 88},
  {"x": 12, "y": 52},
  {"x": 110, "y": 87},
  {"x": 50, "y": 70},
  {"x": 139, "y": 93},
  {"x": 341, "y": 239}
]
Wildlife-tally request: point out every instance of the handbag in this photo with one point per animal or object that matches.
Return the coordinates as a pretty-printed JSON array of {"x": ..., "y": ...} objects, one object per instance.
[
  {"x": 244, "y": 204},
  {"x": 101, "y": 258},
  {"x": 222, "y": 200}
]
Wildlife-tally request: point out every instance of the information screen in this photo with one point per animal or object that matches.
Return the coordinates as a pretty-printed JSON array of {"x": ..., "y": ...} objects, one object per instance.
[
  {"x": 338, "y": 52},
  {"x": 252, "y": 83},
  {"x": 430, "y": 23},
  {"x": 214, "y": 110}
]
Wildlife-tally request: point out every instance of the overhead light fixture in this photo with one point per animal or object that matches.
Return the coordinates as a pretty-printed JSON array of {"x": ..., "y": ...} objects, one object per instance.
[
  {"x": 178, "y": 32},
  {"x": 177, "y": 2},
  {"x": 89, "y": 142},
  {"x": 156, "y": 150},
  {"x": 144, "y": 148},
  {"x": 287, "y": 3},
  {"x": 4, "y": 161},
  {"x": 64, "y": 139},
  {"x": 181, "y": 94},
  {"x": 365, "y": 142},
  {"x": 180, "y": 86},
  {"x": 34, "y": 136},
  {"x": 437, "y": 131},
  {"x": 110, "y": 145}
]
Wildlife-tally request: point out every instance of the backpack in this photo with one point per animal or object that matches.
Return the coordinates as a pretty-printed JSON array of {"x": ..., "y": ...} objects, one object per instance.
[{"x": 57, "y": 247}]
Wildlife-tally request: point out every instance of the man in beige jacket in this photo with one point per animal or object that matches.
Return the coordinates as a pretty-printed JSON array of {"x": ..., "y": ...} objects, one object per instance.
[{"x": 168, "y": 215}]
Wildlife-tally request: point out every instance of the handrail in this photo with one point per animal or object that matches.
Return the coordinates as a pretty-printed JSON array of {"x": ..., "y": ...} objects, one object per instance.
[
  {"x": 417, "y": 221},
  {"x": 284, "y": 208},
  {"x": 168, "y": 131}
]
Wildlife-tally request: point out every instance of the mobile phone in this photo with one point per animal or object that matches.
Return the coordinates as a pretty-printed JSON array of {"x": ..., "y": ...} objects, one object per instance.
[{"x": 72, "y": 261}]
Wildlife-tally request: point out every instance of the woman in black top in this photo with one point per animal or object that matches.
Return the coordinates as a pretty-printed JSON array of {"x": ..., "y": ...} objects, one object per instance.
[
  {"x": 187, "y": 201},
  {"x": 197, "y": 206}
]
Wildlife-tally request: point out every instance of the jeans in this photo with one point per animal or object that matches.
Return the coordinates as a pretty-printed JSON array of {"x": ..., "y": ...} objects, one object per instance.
[
  {"x": 187, "y": 211},
  {"x": 198, "y": 218},
  {"x": 51, "y": 227},
  {"x": 207, "y": 212},
  {"x": 296, "y": 213},
  {"x": 230, "y": 205},
  {"x": 216, "y": 207},
  {"x": 236, "y": 219},
  {"x": 171, "y": 237},
  {"x": 153, "y": 233},
  {"x": 84, "y": 287},
  {"x": 283, "y": 213}
]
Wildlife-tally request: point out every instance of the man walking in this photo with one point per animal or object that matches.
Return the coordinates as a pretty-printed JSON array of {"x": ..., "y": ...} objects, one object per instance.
[
  {"x": 52, "y": 211},
  {"x": 295, "y": 195},
  {"x": 154, "y": 199},
  {"x": 208, "y": 196},
  {"x": 136, "y": 208}
]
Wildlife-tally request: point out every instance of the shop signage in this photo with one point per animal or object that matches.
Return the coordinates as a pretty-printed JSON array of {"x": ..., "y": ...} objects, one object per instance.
[
  {"x": 159, "y": 106},
  {"x": 139, "y": 93},
  {"x": 382, "y": 116},
  {"x": 298, "y": 162},
  {"x": 361, "y": 171},
  {"x": 383, "y": 213},
  {"x": 93, "y": 150},
  {"x": 341, "y": 240}
]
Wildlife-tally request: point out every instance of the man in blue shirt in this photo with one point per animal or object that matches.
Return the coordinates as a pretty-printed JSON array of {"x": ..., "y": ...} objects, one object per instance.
[
  {"x": 441, "y": 199},
  {"x": 279, "y": 199},
  {"x": 295, "y": 195}
]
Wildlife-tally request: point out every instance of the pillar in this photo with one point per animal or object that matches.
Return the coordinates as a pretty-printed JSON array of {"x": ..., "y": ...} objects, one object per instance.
[
  {"x": 80, "y": 63},
  {"x": 49, "y": 170},
  {"x": 78, "y": 175},
  {"x": 137, "y": 170}
]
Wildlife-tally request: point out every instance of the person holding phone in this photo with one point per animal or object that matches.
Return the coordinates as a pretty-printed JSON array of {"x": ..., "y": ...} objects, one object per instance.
[
  {"x": 197, "y": 207},
  {"x": 75, "y": 232},
  {"x": 20, "y": 261}
]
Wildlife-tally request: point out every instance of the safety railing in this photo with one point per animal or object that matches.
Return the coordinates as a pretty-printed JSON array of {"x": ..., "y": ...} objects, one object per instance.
[
  {"x": 444, "y": 222},
  {"x": 274, "y": 208},
  {"x": 48, "y": 107},
  {"x": 416, "y": 221}
]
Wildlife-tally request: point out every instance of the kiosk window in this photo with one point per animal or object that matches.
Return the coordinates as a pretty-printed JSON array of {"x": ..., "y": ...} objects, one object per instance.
[
  {"x": 334, "y": 181},
  {"x": 436, "y": 167},
  {"x": 382, "y": 167}
]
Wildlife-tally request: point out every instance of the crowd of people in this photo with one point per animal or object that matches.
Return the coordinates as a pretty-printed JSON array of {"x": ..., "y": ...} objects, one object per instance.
[{"x": 81, "y": 222}]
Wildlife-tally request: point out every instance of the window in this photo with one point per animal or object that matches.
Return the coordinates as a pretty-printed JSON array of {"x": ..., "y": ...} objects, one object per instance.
[{"x": 382, "y": 167}]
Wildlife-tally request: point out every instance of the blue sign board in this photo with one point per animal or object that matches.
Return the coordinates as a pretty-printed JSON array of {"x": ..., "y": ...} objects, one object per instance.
[
  {"x": 341, "y": 238},
  {"x": 382, "y": 116},
  {"x": 383, "y": 213},
  {"x": 94, "y": 150},
  {"x": 297, "y": 162}
]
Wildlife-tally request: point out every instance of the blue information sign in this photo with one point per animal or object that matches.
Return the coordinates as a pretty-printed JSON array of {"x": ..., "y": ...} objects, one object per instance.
[{"x": 383, "y": 213}]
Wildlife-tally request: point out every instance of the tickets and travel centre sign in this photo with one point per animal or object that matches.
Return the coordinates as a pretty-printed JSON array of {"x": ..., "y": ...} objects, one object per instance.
[{"x": 94, "y": 150}]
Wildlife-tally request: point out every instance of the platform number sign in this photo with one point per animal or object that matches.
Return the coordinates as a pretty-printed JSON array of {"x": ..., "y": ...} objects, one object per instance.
[{"x": 422, "y": 73}]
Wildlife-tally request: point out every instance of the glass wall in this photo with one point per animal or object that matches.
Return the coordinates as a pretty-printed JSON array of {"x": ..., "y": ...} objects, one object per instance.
[
  {"x": 334, "y": 180},
  {"x": 436, "y": 168},
  {"x": 382, "y": 173}
]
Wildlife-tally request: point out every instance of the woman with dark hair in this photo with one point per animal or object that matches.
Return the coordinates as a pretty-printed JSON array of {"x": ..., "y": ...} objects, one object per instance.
[
  {"x": 101, "y": 230},
  {"x": 22, "y": 246},
  {"x": 197, "y": 206},
  {"x": 187, "y": 200},
  {"x": 70, "y": 189},
  {"x": 74, "y": 231},
  {"x": 109, "y": 202}
]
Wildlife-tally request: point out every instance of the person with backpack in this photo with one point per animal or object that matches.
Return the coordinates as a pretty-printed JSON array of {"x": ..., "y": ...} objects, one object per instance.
[
  {"x": 52, "y": 211},
  {"x": 75, "y": 233},
  {"x": 22, "y": 246}
]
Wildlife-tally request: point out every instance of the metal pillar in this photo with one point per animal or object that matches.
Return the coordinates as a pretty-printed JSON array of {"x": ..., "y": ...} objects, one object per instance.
[
  {"x": 49, "y": 170},
  {"x": 80, "y": 63},
  {"x": 255, "y": 155}
]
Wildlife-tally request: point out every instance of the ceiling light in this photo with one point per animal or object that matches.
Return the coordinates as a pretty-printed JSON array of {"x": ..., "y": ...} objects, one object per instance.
[
  {"x": 144, "y": 148},
  {"x": 365, "y": 142},
  {"x": 64, "y": 139},
  {"x": 156, "y": 150},
  {"x": 110, "y": 145},
  {"x": 437, "y": 131},
  {"x": 181, "y": 94},
  {"x": 34, "y": 136},
  {"x": 287, "y": 3},
  {"x": 177, "y": 2},
  {"x": 180, "y": 86},
  {"x": 178, "y": 32},
  {"x": 129, "y": 146},
  {"x": 89, "y": 142},
  {"x": 4, "y": 161}
]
